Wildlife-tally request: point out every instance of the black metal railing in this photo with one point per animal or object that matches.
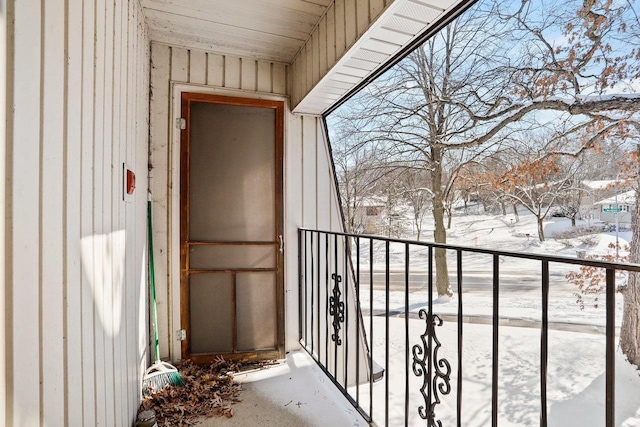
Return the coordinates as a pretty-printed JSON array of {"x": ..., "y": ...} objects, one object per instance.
[{"x": 346, "y": 330}]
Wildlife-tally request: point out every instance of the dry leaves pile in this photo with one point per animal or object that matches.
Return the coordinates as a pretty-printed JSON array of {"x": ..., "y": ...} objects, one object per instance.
[{"x": 209, "y": 391}]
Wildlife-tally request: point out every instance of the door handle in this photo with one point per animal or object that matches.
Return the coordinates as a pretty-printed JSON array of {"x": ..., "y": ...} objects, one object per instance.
[{"x": 281, "y": 240}]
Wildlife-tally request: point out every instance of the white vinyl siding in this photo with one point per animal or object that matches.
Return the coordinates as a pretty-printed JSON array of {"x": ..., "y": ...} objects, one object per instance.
[{"x": 75, "y": 274}]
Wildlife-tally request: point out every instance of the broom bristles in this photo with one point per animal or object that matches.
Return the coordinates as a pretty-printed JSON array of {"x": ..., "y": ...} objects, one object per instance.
[{"x": 159, "y": 375}]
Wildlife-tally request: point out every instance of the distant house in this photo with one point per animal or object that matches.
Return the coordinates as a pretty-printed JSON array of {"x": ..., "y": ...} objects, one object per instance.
[
  {"x": 625, "y": 202},
  {"x": 369, "y": 214},
  {"x": 593, "y": 192}
]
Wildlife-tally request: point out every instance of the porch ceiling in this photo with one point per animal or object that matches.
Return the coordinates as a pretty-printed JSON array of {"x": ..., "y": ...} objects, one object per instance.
[
  {"x": 330, "y": 53},
  {"x": 272, "y": 30}
]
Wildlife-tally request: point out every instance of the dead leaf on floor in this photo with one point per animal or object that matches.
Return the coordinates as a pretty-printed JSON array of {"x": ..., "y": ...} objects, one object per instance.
[{"x": 209, "y": 391}]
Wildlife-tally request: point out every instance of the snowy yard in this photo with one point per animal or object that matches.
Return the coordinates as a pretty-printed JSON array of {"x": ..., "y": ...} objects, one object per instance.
[
  {"x": 576, "y": 378},
  {"x": 576, "y": 387},
  {"x": 520, "y": 283}
]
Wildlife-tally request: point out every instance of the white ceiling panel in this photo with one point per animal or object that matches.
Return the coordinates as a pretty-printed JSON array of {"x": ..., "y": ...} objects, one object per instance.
[
  {"x": 281, "y": 31},
  {"x": 274, "y": 30}
]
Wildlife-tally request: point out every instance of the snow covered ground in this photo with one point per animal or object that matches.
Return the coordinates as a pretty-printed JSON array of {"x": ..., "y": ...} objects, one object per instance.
[
  {"x": 576, "y": 395},
  {"x": 520, "y": 280},
  {"x": 576, "y": 378}
]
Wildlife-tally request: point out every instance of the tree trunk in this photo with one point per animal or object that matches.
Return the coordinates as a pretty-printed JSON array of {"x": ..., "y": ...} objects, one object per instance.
[
  {"x": 573, "y": 221},
  {"x": 440, "y": 233},
  {"x": 540, "y": 230},
  {"x": 503, "y": 205},
  {"x": 448, "y": 219},
  {"x": 515, "y": 212},
  {"x": 440, "y": 236},
  {"x": 630, "y": 329}
]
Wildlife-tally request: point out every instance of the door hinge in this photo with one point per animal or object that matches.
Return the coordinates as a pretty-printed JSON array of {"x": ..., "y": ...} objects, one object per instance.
[
  {"x": 181, "y": 123},
  {"x": 182, "y": 335}
]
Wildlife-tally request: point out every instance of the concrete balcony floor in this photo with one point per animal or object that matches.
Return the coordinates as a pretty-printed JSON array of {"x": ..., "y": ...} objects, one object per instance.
[{"x": 293, "y": 393}]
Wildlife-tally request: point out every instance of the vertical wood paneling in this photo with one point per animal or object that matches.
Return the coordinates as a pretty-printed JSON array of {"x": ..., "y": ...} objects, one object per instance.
[
  {"x": 89, "y": 404},
  {"x": 161, "y": 73},
  {"x": 51, "y": 221},
  {"x": 315, "y": 55},
  {"x": 4, "y": 293},
  {"x": 23, "y": 380},
  {"x": 340, "y": 29},
  {"x": 142, "y": 165},
  {"x": 301, "y": 73},
  {"x": 322, "y": 45},
  {"x": 107, "y": 217},
  {"x": 325, "y": 180},
  {"x": 70, "y": 129},
  {"x": 362, "y": 16},
  {"x": 279, "y": 76},
  {"x": 130, "y": 208},
  {"x": 215, "y": 69},
  {"x": 350, "y": 22},
  {"x": 331, "y": 35},
  {"x": 308, "y": 66},
  {"x": 248, "y": 70},
  {"x": 116, "y": 207},
  {"x": 98, "y": 230},
  {"x": 122, "y": 279},
  {"x": 265, "y": 79},
  {"x": 73, "y": 277},
  {"x": 376, "y": 8},
  {"x": 309, "y": 167},
  {"x": 198, "y": 67},
  {"x": 179, "y": 64},
  {"x": 231, "y": 72},
  {"x": 293, "y": 218}
]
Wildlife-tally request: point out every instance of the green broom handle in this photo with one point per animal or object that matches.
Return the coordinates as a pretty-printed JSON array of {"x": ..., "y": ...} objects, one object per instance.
[{"x": 152, "y": 281}]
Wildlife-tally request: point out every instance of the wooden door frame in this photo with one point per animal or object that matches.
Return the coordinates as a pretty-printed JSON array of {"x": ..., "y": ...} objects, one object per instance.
[{"x": 278, "y": 106}]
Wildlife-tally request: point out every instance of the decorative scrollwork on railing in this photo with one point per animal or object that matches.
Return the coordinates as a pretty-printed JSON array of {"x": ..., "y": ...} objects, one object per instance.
[
  {"x": 436, "y": 380},
  {"x": 336, "y": 309}
]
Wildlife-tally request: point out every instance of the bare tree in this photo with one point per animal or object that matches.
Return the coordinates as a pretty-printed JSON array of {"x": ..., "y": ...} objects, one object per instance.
[
  {"x": 418, "y": 112},
  {"x": 413, "y": 184}
]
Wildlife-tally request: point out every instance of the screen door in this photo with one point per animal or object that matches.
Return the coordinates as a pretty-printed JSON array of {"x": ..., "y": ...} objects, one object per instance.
[{"x": 231, "y": 228}]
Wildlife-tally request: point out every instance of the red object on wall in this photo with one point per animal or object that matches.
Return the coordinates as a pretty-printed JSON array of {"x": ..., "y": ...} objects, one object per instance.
[{"x": 131, "y": 181}]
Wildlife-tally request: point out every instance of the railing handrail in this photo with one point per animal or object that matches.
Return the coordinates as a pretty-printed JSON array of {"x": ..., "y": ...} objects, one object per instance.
[
  {"x": 523, "y": 255},
  {"x": 332, "y": 294}
]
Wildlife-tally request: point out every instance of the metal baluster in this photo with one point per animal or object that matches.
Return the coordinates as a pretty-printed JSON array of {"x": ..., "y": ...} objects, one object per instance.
[
  {"x": 346, "y": 312},
  {"x": 301, "y": 301},
  {"x": 611, "y": 348},
  {"x": 544, "y": 344},
  {"x": 494, "y": 372},
  {"x": 371, "y": 328},
  {"x": 318, "y": 292},
  {"x": 312, "y": 288},
  {"x": 430, "y": 412},
  {"x": 386, "y": 311},
  {"x": 335, "y": 271},
  {"x": 358, "y": 317},
  {"x": 406, "y": 337},
  {"x": 460, "y": 318},
  {"x": 326, "y": 301},
  {"x": 306, "y": 286}
]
